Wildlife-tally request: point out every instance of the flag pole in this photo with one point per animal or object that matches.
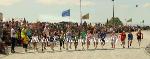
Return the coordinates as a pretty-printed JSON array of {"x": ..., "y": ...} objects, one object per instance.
[
  {"x": 113, "y": 12},
  {"x": 132, "y": 23},
  {"x": 126, "y": 22},
  {"x": 80, "y": 14},
  {"x": 69, "y": 17},
  {"x": 143, "y": 23}
]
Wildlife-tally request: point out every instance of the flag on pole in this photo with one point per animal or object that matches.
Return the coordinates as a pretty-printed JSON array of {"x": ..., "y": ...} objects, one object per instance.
[
  {"x": 12, "y": 19},
  {"x": 107, "y": 20},
  {"x": 136, "y": 5},
  {"x": 130, "y": 20},
  {"x": 86, "y": 16},
  {"x": 142, "y": 21},
  {"x": 66, "y": 13}
]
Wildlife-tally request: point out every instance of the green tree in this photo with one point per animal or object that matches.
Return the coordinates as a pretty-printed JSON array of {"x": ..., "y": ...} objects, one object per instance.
[{"x": 116, "y": 21}]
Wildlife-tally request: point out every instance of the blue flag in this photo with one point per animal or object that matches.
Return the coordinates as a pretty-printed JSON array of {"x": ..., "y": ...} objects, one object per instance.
[{"x": 66, "y": 13}]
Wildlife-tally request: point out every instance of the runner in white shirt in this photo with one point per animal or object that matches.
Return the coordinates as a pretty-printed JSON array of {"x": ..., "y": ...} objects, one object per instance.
[
  {"x": 46, "y": 35},
  {"x": 113, "y": 39},
  {"x": 13, "y": 39},
  {"x": 35, "y": 40}
]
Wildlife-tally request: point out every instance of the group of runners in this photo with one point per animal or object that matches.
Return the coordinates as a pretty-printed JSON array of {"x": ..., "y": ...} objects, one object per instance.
[{"x": 47, "y": 37}]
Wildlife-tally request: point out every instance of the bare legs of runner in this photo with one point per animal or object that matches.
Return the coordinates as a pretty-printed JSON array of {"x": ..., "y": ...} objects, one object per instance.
[
  {"x": 52, "y": 46},
  {"x": 139, "y": 42},
  {"x": 129, "y": 43},
  {"x": 35, "y": 46},
  {"x": 123, "y": 44},
  {"x": 103, "y": 42}
]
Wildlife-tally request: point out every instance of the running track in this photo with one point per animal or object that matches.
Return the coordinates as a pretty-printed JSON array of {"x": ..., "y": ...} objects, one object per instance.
[{"x": 107, "y": 53}]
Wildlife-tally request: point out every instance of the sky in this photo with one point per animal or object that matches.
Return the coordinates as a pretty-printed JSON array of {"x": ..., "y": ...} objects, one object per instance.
[{"x": 99, "y": 10}]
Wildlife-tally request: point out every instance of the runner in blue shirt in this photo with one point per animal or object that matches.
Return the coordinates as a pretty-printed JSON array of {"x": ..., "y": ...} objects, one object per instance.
[{"x": 130, "y": 38}]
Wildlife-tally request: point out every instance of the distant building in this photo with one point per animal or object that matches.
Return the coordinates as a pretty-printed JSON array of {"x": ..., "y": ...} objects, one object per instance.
[{"x": 1, "y": 16}]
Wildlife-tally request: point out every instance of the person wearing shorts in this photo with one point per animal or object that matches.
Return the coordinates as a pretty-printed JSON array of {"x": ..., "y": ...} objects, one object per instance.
[
  {"x": 83, "y": 38},
  {"x": 61, "y": 39},
  {"x": 29, "y": 34},
  {"x": 113, "y": 39},
  {"x": 56, "y": 37},
  {"x": 122, "y": 38},
  {"x": 68, "y": 39},
  {"x": 51, "y": 41},
  {"x": 89, "y": 35},
  {"x": 130, "y": 38},
  {"x": 76, "y": 37},
  {"x": 44, "y": 40},
  {"x": 46, "y": 33},
  {"x": 34, "y": 41},
  {"x": 139, "y": 35},
  {"x": 25, "y": 38},
  {"x": 102, "y": 36},
  {"x": 95, "y": 38},
  {"x": 13, "y": 39}
]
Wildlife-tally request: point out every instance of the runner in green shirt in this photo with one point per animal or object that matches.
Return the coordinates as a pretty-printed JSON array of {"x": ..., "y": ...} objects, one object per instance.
[{"x": 83, "y": 37}]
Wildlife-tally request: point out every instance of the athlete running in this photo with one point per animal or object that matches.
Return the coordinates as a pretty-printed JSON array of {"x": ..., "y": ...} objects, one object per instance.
[
  {"x": 61, "y": 39},
  {"x": 89, "y": 35},
  {"x": 68, "y": 39},
  {"x": 83, "y": 37},
  {"x": 102, "y": 36},
  {"x": 113, "y": 39},
  {"x": 139, "y": 37},
  {"x": 130, "y": 38},
  {"x": 122, "y": 38}
]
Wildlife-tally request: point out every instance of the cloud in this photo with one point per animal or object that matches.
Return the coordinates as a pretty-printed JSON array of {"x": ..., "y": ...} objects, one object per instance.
[
  {"x": 8, "y": 2},
  {"x": 146, "y": 5},
  {"x": 65, "y": 2}
]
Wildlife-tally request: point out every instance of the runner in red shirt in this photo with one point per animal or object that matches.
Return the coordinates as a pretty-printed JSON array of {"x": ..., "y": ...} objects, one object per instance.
[{"x": 122, "y": 38}]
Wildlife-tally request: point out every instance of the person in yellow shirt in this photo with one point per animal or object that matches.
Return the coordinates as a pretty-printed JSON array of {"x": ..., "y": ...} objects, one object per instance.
[{"x": 25, "y": 38}]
